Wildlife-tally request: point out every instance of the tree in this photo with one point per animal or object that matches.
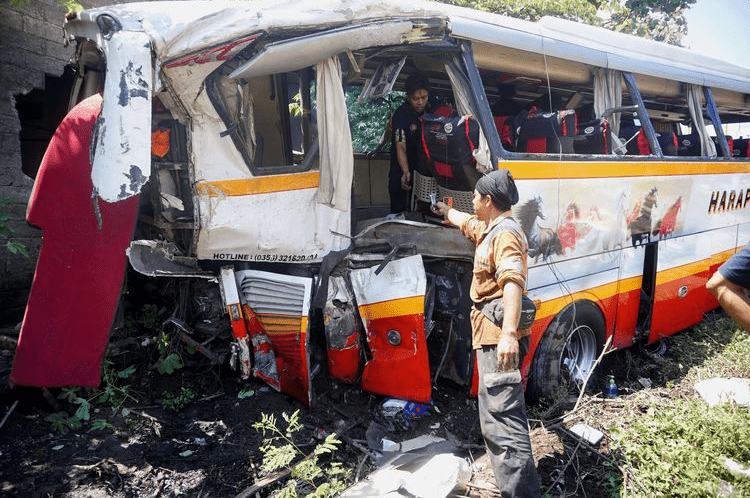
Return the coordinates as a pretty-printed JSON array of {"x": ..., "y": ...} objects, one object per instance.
[{"x": 661, "y": 20}]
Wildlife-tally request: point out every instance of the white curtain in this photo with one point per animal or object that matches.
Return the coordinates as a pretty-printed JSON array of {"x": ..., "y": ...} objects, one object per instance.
[
  {"x": 482, "y": 152},
  {"x": 334, "y": 137},
  {"x": 695, "y": 104},
  {"x": 607, "y": 95}
]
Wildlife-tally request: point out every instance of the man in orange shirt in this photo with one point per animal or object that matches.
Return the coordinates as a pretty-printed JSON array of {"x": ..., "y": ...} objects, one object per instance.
[{"x": 500, "y": 270}]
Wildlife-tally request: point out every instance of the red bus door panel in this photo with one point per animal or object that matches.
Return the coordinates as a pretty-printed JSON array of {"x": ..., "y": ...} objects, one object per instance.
[
  {"x": 681, "y": 298},
  {"x": 281, "y": 304},
  {"x": 391, "y": 304},
  {"x": 81, "y": 264}
]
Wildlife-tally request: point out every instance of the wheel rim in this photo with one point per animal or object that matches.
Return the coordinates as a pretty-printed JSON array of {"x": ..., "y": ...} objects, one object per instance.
[{"x": 579, "y": 353}]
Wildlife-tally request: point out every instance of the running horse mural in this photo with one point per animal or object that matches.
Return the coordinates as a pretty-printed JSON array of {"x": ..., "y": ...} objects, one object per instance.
[
  {"x": 666, "y": 225},
  {"x": 639, "y": 221},
  {"x": 543, "y": 241}
]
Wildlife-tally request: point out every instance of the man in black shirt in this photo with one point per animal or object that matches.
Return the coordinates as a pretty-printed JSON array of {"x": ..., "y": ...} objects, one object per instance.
[{"x": 405, "y": 141}]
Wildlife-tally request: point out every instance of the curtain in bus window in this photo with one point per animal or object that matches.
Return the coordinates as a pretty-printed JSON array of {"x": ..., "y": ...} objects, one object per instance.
[
  {"x": 608, "y": 95},
  {"x": 334, "y": 137},
  {"x": 460, "y": 86},
  {"x": 695, "y": 104}
]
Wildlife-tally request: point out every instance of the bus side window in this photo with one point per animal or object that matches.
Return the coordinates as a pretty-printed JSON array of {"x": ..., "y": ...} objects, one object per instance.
[{"x": 269, "y": 118}]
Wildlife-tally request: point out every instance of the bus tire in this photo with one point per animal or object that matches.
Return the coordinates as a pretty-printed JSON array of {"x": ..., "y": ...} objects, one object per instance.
[{"x": 566, "y": 353}]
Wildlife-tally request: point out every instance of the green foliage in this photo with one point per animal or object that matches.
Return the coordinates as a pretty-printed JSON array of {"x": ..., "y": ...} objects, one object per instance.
[
  {"x": 680, "y": 450},
  {"x": 178, "y": 402},
  {"x": 169, "y": 364},
  {"x": 100, "y": 424},
  {"x": 146, "y": 320},
  {"x": 245, "y": 393},
  {"x": 369, "y": 120},
  {"x": 70, "y": 5},
  {"x": 309, "y": 473},
  {"x": 661, "y": 20},
  {"x": 533, "y": 10},
  {"x": 6, "y": 231},
  {"x": 61, "y": 422},
  {"x": 679, "y": 446},
  {"x": 109, "y": 393}
]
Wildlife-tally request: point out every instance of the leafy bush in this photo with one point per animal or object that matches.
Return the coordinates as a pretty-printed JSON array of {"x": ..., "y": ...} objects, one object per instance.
[
  {"x": 680, "y": 446},
  {"x": 179, "y": 401},
  {"x": 111, "y": 392},
  {"x": 309, "y": 475}
]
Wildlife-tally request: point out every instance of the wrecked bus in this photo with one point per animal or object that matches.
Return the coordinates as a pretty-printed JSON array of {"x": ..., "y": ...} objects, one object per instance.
[{"x": 222, "y": 165}]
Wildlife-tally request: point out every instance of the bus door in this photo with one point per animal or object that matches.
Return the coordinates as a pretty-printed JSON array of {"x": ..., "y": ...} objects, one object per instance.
[{"x": 391, "y": 301}]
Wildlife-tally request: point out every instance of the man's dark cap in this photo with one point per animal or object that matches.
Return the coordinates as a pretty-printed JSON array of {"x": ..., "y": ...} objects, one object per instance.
[{"x": 500, "y": 186}]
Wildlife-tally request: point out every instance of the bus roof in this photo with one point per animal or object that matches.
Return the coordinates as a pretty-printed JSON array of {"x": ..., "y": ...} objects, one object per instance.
[{"x": 180, "y": 28}]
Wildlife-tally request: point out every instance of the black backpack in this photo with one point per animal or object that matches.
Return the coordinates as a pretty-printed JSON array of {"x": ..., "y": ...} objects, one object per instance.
[{"x": 448, "y": 142}]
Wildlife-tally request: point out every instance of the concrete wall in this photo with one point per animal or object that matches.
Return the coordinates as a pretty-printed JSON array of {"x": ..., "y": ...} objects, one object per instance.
[{"x": 31, "y": 48}]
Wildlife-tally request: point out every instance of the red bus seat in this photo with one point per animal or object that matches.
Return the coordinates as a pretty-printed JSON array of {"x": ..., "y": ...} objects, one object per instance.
[
  {"x": 593, "y": 137},
  {"x": 549, "y": 132}
]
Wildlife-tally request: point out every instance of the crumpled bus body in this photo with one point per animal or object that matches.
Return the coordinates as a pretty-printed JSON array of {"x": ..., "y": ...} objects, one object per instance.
[{"x": 223, "y": 149}]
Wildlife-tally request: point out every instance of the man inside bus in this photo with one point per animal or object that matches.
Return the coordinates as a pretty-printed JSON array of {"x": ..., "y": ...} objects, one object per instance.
[
  {"x": 500, "y": 271},
  {"x": 405, "y": 141},
  {"x": 729, "y": 285}
]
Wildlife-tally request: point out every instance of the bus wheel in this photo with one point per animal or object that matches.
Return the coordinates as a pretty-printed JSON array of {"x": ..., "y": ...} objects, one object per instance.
[{"x": 566, "y": 354}]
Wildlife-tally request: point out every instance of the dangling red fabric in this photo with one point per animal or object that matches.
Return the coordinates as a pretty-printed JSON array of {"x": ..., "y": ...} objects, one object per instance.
[{"x": 81, "y": 264}]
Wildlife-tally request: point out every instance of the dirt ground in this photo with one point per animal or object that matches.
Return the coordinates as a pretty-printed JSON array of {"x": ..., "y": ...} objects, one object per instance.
[{"x": 210, "y": 448}]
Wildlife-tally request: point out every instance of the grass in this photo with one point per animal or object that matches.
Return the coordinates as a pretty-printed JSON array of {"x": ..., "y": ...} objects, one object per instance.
[{"x": 666, "y": 441}]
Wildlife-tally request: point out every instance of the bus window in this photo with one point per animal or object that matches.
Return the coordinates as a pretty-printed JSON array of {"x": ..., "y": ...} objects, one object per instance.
[
  {"x": 270, "y": 119},
  {"x": 702, "y": 137}
]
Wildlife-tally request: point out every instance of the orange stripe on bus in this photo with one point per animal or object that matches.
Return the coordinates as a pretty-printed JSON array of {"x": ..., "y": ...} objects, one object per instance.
[
  {"x": 548, "y": 170},
  {"x": 259, "y": 185},
  {"x": 605, "y": 291},
  {"x": 599, "y": 293},
  {"x": 396, "y": 307}
]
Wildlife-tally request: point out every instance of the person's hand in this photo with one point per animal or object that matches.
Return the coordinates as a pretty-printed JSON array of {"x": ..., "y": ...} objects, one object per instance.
[
  {"x": 440, "y": 208},
  {"x": 406, "y": 180},
  {"x": 507, "y": 352}
]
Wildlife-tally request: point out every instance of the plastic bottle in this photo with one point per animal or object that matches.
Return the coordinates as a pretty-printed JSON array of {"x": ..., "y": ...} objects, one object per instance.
[{"x": 611, "y": 391}]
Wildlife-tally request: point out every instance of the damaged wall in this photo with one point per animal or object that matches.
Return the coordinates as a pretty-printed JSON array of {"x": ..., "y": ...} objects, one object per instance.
[{"x": 32, "y": 63}]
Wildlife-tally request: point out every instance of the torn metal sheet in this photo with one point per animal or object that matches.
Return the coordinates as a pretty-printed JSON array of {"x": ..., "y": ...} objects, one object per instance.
[
  {"x": 281, "y": 305},
  {"x": 225, "y": 235},
  {"x": 122, "y": 143},
  {"x": 343, "y": 332},
  {"x": 428, "y": 240},
  {"x": 291, "y": 55},
  {"x": 158, "y": 258}
]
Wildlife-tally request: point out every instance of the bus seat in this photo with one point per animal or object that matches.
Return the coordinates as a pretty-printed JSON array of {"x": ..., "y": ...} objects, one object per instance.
[
  {"x": 448, "y": 143},
  {"x": 548, "y": 132},
  {"x": 740, "y": 147},
  {"x": 593, "y": 137},
  {"x": 637, "y": 143},
  {"x": 424, "y": 186},
  {"x": 459, "y": 199},
  {"x": 505, "y": 130},
  {"x": 635, "y": 140},
  {"x": 668, "y": 143},
  {"x": 690, "y": 145}
]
